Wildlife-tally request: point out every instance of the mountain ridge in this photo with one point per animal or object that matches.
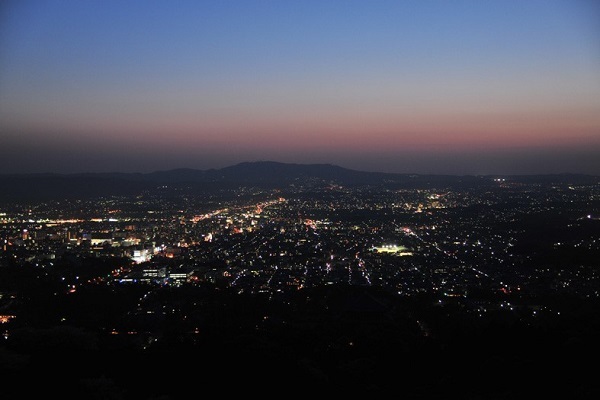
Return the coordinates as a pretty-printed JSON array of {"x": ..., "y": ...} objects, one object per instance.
[
  {"x": 268, "y": 174},
  {"x": 276, "y": 164}
]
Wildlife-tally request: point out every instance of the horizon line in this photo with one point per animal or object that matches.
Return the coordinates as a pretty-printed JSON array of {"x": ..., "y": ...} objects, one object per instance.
[{"x": 295, "y": 164}]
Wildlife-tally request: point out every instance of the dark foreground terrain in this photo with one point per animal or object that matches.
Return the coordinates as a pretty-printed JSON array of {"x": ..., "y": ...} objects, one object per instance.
[{"x": 336, "y": 340}]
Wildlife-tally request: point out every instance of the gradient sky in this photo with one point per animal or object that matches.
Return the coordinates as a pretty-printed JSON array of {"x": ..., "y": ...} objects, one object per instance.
[{"x": 453, "y": 87}]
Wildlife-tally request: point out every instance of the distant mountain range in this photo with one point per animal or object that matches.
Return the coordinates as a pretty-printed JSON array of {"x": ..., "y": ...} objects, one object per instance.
[{"x": 20, "y": 187}]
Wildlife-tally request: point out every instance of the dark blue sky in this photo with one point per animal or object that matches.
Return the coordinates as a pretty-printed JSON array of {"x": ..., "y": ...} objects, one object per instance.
[{"x": 467, "y": 87}]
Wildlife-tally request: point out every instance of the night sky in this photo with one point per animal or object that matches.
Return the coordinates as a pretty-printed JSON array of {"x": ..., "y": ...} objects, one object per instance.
[{"x": 452, "y": 87}]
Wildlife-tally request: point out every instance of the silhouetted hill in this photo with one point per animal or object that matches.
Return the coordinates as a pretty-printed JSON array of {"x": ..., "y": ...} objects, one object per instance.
[
  {"x": 35, "y": 187},
  {"x": 276, "y": 172}
]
